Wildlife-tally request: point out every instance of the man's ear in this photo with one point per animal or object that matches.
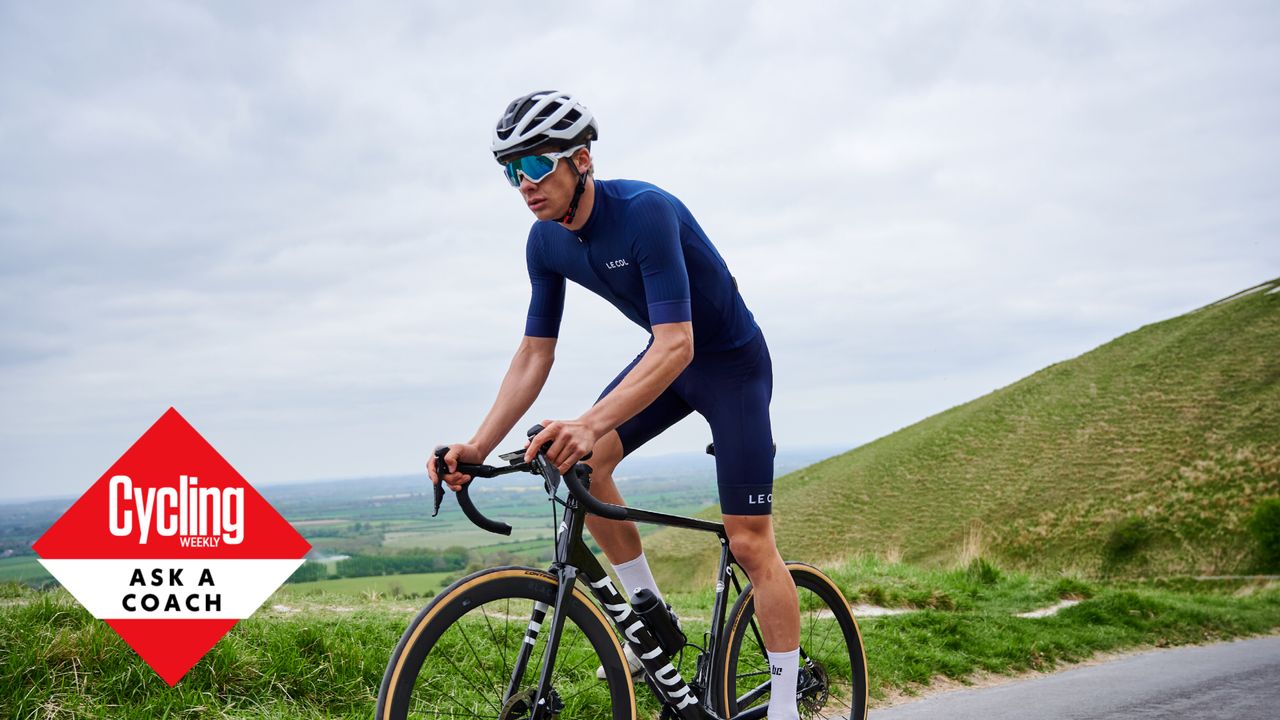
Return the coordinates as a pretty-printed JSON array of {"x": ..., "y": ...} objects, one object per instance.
[{"x": 582, "y": 160}]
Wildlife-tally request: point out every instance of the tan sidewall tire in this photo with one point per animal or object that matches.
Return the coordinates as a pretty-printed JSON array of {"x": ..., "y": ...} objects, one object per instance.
[
  {"x": 522, "y": 582},
  {"x": 736, "y": 623}
]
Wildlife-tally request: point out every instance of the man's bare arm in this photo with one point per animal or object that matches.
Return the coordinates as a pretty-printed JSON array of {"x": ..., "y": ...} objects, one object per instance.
[
  {"x": 524, "y": 380},
  {"x": 671, "y": 353}
]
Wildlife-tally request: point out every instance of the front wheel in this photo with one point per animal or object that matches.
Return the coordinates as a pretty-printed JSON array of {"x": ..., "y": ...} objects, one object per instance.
[
  {"x": 832, "y": 682},
  {"x": 476, "y": 651}
]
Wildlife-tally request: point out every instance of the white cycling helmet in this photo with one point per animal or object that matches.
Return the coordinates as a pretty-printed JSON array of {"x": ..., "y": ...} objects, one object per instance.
[{"x": 539, "y": 118}]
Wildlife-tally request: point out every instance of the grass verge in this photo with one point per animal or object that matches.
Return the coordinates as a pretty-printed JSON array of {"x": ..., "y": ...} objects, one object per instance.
[{"x": 57, "y": 661}]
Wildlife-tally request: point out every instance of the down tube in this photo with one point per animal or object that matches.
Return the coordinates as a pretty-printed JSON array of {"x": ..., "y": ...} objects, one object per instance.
[{"x": 677, "y": 694}]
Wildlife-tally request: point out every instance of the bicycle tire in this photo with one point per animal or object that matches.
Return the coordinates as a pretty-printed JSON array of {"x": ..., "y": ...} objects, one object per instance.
[
  {"x": 829, "y": 636},
  {"x": 456, "y": 657}
]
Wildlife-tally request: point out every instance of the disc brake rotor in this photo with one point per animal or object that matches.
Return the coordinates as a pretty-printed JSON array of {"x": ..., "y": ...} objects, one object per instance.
[
  {"x": 814, "y": 689},
  {"x": 520, "y": 706}
]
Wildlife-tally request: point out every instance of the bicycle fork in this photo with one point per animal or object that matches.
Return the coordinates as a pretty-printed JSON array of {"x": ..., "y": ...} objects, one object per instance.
[
  {"x": 538, "y": 615},
  {"x": 543, "y": 702}
]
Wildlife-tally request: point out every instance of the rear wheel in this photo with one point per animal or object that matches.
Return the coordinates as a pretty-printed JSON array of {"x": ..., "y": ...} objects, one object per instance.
[
  {"x": 457, "y": 658},
  {"x": 832, "y": 681}
]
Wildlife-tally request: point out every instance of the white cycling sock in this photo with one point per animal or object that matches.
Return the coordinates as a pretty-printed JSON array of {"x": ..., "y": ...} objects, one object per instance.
[
  {"x": 635, "y": 574},
  {"x": 783, "y": 668}
]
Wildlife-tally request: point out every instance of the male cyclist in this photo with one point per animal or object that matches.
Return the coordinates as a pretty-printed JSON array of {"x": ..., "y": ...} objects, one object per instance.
[{"x": 639, "y": 247}]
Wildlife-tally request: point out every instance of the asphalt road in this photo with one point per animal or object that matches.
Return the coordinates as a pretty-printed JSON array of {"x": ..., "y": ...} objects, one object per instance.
[{"x": 1238, "y": 680}]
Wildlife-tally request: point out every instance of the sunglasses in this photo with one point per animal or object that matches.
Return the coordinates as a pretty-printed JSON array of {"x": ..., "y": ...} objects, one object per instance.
[{"x": 535, "y": 167}]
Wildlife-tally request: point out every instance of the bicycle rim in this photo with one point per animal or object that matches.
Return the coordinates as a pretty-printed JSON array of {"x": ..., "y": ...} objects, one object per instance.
[
  {"x": 833, "y": 676},
  {"x": 457, "y": 658}
]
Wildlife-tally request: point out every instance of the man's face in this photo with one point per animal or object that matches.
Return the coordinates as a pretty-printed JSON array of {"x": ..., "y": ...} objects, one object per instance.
[{"x": 549, "y": 199}]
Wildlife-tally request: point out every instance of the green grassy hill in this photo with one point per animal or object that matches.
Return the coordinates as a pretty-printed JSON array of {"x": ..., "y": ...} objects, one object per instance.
[{"x": 1177, "y": 424}]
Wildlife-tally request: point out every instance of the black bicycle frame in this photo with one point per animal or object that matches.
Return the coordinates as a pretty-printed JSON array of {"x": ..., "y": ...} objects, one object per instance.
[{"x": 574, "y": 561}]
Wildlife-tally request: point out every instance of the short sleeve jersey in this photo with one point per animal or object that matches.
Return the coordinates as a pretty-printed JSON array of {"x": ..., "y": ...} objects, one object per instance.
[{"x": 641, "y": 250}]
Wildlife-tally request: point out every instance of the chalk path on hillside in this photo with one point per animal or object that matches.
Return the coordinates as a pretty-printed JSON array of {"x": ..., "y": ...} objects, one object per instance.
[{"x": 869, "y": 611}]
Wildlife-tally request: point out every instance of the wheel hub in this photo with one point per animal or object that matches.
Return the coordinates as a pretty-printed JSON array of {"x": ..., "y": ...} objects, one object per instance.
[{"x": 813, "y": 687}]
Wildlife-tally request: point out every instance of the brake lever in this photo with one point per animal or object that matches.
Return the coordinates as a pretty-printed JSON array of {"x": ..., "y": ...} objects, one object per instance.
[
  {"x": 441, "y": 470},
  {"x": 546, "y": 446}
]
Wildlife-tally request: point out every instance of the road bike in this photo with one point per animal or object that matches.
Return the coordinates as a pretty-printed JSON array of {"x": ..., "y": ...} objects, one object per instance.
[{"x": 522, "y": 643}]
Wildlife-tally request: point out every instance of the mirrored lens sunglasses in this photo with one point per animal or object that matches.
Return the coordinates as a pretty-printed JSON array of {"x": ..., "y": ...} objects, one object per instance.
[{"x": 535, "y": 167}]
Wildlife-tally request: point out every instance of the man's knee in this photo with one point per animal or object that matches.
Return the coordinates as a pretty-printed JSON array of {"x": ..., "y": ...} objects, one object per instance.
[
  {"x": 751, "y": 540},
  {"x": 619, "y": 539},
  {"x": 606, "y": 453},
  {"x": 605, "y": 456}
]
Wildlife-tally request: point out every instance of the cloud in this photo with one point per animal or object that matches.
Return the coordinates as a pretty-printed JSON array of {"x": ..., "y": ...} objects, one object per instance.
[{"x": 284, "y": 221}]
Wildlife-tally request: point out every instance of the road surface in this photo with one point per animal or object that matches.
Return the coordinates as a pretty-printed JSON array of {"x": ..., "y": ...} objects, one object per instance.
[{"x": 1238, "y": 680}]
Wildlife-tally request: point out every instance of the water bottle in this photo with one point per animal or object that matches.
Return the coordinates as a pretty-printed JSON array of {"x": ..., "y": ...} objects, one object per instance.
[{"x": 660, "y": 621}]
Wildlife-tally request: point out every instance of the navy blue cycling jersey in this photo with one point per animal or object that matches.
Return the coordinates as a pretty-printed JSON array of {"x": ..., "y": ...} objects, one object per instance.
[{"x": 641, "y": 250}]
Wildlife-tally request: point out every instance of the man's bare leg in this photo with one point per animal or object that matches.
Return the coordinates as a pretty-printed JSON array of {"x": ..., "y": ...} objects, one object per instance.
[
  {"x": 620, "y": 540},
  {"x": 777, "y": 605}
]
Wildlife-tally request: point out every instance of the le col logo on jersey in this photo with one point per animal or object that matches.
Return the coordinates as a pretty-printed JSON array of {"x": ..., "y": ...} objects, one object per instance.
[
  {"x": 171, "y": 547},
  {"x": 615, "y": 264}
]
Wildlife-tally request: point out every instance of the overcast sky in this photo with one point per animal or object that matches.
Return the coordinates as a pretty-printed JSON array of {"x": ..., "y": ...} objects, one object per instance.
[{"x": 284, "y": 221}]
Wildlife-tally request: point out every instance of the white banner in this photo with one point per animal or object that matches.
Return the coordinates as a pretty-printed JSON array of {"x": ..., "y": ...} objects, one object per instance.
[{"x": 171, "y": 589}]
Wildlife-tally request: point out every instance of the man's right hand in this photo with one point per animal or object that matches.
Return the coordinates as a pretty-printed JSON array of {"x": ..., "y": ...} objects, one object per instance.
[{"x": 458, "y": 452}]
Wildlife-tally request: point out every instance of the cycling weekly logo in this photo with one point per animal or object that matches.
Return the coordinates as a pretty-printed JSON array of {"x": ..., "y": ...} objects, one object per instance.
[{"x": 171, "y": 547}]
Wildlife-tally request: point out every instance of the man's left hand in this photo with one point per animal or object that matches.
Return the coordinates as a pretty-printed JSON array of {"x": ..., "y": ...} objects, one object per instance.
[{"x": 570, "y": 440}]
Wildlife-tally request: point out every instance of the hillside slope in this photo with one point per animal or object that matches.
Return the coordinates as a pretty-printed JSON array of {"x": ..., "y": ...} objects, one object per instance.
[{"x": 1177, "y": 423}]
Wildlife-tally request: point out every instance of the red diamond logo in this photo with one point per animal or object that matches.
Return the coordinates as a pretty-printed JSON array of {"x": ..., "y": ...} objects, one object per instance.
[{"x": 171, "y": 547}]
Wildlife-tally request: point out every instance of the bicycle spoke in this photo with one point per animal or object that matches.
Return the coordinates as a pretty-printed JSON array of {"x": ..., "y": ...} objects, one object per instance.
[
  {"x": 568, "y": 672},
  {"x": 432, "y": 710},
  {"x": 460, "y": 673},
  {"x": 472, "y": 647},
  {"x": 822, "y": 646},
  {"x": 503, "y": 654},
  {"x": 576, "y": 693},
  {"x": 809, "y": 637},
  {"x": 827, "y": 640},
  {"x": 760, "y": 667},
  {"x": 474, "y": 654}
]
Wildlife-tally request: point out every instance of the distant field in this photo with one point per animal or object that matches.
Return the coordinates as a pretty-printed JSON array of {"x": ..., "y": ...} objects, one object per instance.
[
  {"x": 419, "y": 583},
  {"x": 460, "y": 531},
  {"x": 523, "y": 547},
  {"x": 22, "y": 569}
]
